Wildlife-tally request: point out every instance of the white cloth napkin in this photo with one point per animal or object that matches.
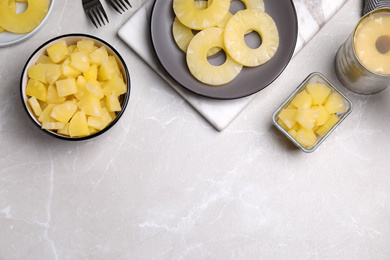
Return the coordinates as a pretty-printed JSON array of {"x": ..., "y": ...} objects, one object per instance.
[{"x": 220, "y": 113}]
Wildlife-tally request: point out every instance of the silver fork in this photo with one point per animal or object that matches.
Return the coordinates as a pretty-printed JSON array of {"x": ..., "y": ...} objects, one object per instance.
[
  {"x": 119, "y": 4},
  {"x": 95, "y": 12}
]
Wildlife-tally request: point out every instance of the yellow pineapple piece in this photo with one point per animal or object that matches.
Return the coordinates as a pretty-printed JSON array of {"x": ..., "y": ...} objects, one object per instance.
[
  {"x": 98, "y": 56},
  {"x": 292, "y": 132},
  {"x": 43, "y": 59},
  {"x": 82, "y": 91},
  {"x": 319, "y": 92},
  {"x": 57, "y": 51},
  {"x": 37, "y": 72},
  {"x": 302, "y": 100},
  {"x": 248, "y": 20},
  {"x": 335, "y": 103},
  {"x": 36, "y": 89},
  {"x": 68, "y": 71},
  {"x": 323, "y": 115},
  {"x": 199, "y": 65},
  {"x": 52, "y": 125},
  {"x": 288, "y": 117},
  {"x": 34, "y": 104},
  {"x": 52, "y": 72},
  {"x": 183, "y": 36},
  {"x": 199, "y": 19},
  {"x": 52, "y": 96},
  {"x": 307, "y": 117},
  {"x": 90, "y": 105},
  {"x": 92, "y": 72},
  {"x": 333, "y": 119},
  {"x": 45, "y": 115},
  {"x": 115, "y": 85},
  {"x": 64, "y": 130},
  {"x": 93, "y": 87},
  {"x": 305, "y": 137},
  {"x": 63, "y": 112},
  {"x": 372, "y": 42},
  {"x": 85, "y": 45},
  {"x": 66, "y": 87},
  {"x": 106, "y": 71},
  {"x": 112, "y": 103},
  {"x": 78, "y": 125},
  {"x": 24, "y": 22},
  {"x": 99, "y": 122},
  {"x": 80, "y": 61}
]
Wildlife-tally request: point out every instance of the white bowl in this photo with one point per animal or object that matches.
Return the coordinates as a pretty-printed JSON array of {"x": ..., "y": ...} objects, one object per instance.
[{"x": 8, "y": 38}]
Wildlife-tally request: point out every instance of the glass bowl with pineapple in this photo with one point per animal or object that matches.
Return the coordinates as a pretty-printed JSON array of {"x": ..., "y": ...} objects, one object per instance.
[
  {"x": 312, "y": 112},
  {"x": 75, "y": 87}
]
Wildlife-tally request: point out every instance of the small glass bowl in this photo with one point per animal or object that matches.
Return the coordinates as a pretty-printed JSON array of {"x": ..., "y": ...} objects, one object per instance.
[
  {"x": 73, "y": 39},
  {"x": 312, "y": 78}
]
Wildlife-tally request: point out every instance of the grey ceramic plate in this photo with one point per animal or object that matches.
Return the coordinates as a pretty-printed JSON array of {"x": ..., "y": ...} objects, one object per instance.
[{"x": 250, "y": 80}]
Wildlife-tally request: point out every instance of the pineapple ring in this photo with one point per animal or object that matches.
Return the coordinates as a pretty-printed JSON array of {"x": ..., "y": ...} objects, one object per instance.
[
  {"x": 199, "y": 19},
  {"x": 198, "y": 64},
  {"x": 254, "y": 4},
  {"x": 26, "y": 21},
  {"x": 248, "y": 20},
  {"x": 183, "y": 36}
]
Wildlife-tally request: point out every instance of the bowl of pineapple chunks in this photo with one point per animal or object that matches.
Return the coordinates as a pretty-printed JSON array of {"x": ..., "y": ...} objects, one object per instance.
[
  {"x": 75, "y": 87},
  {"x": 312, "y": 112}
]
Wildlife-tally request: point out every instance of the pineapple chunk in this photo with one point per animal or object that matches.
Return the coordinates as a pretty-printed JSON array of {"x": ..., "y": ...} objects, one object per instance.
[
  {"x": 302, "y": 100},
  {"x": 43, "y": 59},
  {"x": 78, "y": 125},
  {"x": 292, "y": 132},
  {"x": 82, "y": 91},
  {"x": 93, "y": 87},
  {"x": 52, "y": 96},
  {"x": 90, "y": 105},
  {"x": 37, "y": 72},
  {"x": 305, "y": 137},
  {"x": 63, "y": 112},
  {"x": 199, "y": 65},
  {"x": 99, "y": 122},
  {"x": 112, "y": 103},
  {"x": 98, "y": 56},
  {"x": 92, "y": 72},
  {"x": 319, "y": 92},
  {"x": 53, "y": 125},
  {"x": 307, "y": 118},
  {"x": 57, "y": 51},
  {"x": 45, "y": 115},
  {"x": 106, "y": 71},
  {"x": 85, "y": 45},
  {"x": 248, "y": 20},
  {"x": 52, "y": 72},
  {"x": 68, "y": 71},
  {"x": 34, "y": 104},
  {"x": 36, "y": 89},
  {"x": 333, "y": 119},
  {"x": 66, "y": 87},
  {"x": 323, "y": 115},
  {"x": 80, "y": 61},
  {"x": 115, "y": 85},
  {"x": 199, "y": 19},
  {"x": 26, "y": 21},
  {"x": 288, "y": 117},
  {"x": 64, "y": 130},
  {"x": 335, "y": 103}
]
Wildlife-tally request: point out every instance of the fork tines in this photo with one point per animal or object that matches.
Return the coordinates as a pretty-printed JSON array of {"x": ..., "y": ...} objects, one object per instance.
[
  {"x": 119, "y": 5},
  {"x": 95, "y": 12}
]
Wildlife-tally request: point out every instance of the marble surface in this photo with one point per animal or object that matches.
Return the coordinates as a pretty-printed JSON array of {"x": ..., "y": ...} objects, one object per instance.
[{"x": 165, "y": 184}]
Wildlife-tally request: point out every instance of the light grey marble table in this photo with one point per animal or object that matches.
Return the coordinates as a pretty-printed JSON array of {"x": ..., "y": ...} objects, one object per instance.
[{"x": 165, "y": 184}]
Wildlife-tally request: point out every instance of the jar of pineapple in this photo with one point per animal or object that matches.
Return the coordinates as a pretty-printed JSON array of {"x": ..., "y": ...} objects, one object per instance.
[{"x": 363, "y": 62}]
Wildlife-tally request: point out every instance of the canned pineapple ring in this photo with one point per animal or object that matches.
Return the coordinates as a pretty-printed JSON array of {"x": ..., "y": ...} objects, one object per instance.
[
  {"x": 26, "y": 21},
  {"x": 248, "y": 20},
  {"x": 200, "y": 67},
  {"x": 199, "y": 19}
]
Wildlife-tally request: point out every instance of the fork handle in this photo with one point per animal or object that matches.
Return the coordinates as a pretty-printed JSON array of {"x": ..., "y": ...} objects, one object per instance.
[{"x": 370, "y": 5}]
